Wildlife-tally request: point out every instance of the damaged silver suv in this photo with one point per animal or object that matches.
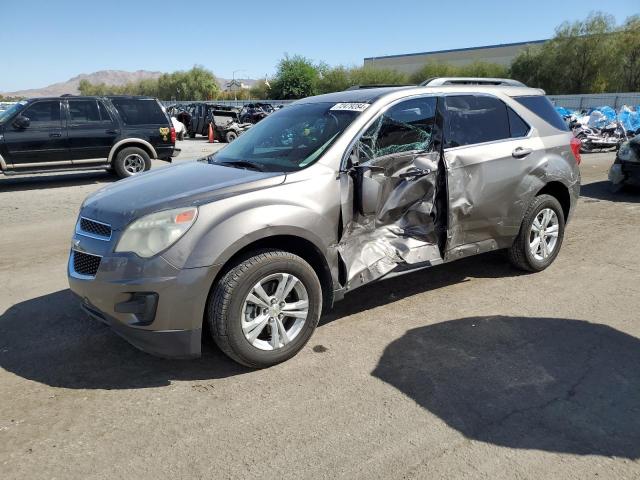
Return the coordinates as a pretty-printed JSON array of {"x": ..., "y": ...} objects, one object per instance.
[{"x": 322, "y": 197}]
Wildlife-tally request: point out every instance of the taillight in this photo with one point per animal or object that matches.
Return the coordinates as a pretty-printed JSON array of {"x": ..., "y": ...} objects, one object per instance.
[
  {"x": 173, "y": 136},
  {"x": 575, "y": 148}
]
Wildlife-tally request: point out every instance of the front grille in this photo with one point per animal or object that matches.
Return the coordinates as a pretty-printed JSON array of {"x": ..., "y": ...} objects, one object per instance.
[
  {"x": 95, "y": 228},
  {"x": 85, "y": 263}
]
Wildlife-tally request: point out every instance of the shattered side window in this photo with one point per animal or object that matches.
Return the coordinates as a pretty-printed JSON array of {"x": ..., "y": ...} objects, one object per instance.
[{"x": 407, "y": 126}]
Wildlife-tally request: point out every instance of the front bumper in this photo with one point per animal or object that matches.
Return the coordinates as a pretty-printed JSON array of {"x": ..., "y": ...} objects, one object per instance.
[
  {"x": 622, "y": 172},
  {"x": 153, "y": 305}
]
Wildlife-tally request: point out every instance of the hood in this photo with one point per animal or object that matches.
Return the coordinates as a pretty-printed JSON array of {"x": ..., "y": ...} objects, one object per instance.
[{"x": 190, "y": 183}]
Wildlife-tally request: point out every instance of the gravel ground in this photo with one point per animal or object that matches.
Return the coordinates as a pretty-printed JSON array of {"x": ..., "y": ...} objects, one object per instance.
[{"x": 467, "y": 370}]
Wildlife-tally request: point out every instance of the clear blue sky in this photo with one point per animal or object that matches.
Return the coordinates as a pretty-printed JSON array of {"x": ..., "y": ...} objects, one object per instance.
[{"x": 43, "y": 42}]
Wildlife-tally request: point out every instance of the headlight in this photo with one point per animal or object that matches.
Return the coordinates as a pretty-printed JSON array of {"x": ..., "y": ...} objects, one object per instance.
[{"x": 154, "y": 233}]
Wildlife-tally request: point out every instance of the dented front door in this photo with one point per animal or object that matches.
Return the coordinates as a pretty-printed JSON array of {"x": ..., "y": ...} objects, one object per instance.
[{"x": 388, "y": 215}]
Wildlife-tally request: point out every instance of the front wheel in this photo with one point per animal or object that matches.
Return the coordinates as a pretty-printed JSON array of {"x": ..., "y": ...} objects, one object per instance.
[
  {"x": 538, "y": 242},
  {"x": 265, "y": 308}
]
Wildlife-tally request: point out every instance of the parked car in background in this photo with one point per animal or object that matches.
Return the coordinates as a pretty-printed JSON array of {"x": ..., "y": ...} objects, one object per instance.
[
  {"x": 254, "y": 112},
  {"x": 322, "y": 197},
  {"x": 626, "y": 167},
  {"x": 199, "y": 115},
  {"x": 119, "y": 133}
]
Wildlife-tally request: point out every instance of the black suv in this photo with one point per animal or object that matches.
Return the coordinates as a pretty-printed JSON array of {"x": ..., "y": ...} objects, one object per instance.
[{"x": 119, "y": 133}]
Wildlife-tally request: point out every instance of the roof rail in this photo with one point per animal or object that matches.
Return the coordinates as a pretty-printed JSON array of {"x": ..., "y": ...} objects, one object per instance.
[
  {"x": 439, "y": 81},
  {"x": 380, "y": 85}
]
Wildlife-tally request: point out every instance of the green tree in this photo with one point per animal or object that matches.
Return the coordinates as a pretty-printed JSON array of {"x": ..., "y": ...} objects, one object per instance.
[
  {"x": 442, "y": 69},
  {"x": 627, "y": 46},
  {"x": 578, "y": 59},
  {"x": 296, "y": 77},
  {"x": 195, "y": 84},
  {"x": 334, "y": 79},
  {"x": 261, "y": 90},
  {"x": 376, "y": 76}
]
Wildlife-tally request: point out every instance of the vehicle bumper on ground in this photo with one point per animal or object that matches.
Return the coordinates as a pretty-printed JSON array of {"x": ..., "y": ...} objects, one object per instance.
[{"x": 153, "y": 305}]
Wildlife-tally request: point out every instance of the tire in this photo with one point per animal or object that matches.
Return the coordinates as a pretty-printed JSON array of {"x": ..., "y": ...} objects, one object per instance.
[
  {"x": 521, "y": 253},
  {"x": 181, "y": 135},
  {"x": 230, "y": 136},
  {"x": 131, "y": 161},
  {"x": 229, "y": 308}
]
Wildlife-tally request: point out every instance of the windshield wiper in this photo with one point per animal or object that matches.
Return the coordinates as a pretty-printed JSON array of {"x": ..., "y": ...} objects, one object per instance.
[{"x": 241, "y": 164}]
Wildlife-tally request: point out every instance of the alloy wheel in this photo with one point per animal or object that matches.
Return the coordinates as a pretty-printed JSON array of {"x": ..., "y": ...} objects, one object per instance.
[
  {"x": 274, "y": 311},
  {"x": 543, "y": 235},
  {"x": 134, "y": 163}
]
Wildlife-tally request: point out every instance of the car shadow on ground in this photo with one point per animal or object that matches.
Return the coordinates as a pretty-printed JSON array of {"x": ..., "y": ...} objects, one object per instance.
[
  {"x": 602, "y": 191},
  {"x": 50, "y": 340},
  {"x": 487, "y": 265},
  {"x": 48, "y": 181},
  {"x": 548, "y": 384}
]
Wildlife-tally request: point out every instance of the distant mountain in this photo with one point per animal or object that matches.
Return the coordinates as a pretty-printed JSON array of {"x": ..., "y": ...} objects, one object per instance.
[{"x": 109, "y": 77}]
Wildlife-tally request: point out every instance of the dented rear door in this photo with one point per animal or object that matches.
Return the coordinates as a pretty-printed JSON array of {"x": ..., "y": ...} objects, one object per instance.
[{"x": 489, "y": 155}]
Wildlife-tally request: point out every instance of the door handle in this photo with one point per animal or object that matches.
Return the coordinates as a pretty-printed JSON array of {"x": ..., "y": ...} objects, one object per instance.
[
  {"x": 111, "y": 131},
  {"x": 521, "y": 152},
  {"x": 55, "y": 135}
]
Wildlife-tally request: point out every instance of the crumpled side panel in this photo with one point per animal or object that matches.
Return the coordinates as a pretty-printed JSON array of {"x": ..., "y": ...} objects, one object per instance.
[{"x": 391, "y": 220}]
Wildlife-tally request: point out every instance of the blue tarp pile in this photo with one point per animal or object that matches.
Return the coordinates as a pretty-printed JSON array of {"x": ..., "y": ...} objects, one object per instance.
[{"x": 602, "y": 116}]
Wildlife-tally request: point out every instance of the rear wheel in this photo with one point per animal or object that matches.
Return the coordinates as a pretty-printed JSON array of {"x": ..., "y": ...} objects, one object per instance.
[
  {"x": 131, "y": 161},
  {"x": 541, "y": 233},
  {"x": 265, "y": 308}
]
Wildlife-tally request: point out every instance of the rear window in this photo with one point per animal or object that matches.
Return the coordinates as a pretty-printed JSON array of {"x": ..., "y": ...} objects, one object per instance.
[
  {"x": 543, "y": 108},
  {"x": 139, "y": 111}
]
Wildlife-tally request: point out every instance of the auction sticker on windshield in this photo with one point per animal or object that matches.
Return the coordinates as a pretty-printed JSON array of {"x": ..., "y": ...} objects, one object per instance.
[{"x": 352, "y": 107}]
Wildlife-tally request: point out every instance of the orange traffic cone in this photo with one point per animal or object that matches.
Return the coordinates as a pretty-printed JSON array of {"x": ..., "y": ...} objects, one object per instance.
[{"x": 212, "y": 135}]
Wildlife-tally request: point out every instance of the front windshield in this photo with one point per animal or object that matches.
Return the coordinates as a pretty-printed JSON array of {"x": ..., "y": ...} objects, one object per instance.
[
  {"x": 290, "y": 139},
  {"x": 5, "y": 114}
]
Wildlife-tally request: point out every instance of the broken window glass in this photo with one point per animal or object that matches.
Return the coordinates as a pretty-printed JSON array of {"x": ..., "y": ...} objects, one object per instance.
[{"x": 407, "y": 126}]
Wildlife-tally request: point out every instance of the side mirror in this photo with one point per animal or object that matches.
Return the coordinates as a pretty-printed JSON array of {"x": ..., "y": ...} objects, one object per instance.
[{"x": 21, "y": 122}]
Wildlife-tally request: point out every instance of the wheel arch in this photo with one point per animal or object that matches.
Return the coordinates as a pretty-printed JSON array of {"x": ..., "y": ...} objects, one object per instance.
[
  {"x": 292, "y": 243},
  {"x": 560, "y": 192},
  {"x": 132, "y": 142}
]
